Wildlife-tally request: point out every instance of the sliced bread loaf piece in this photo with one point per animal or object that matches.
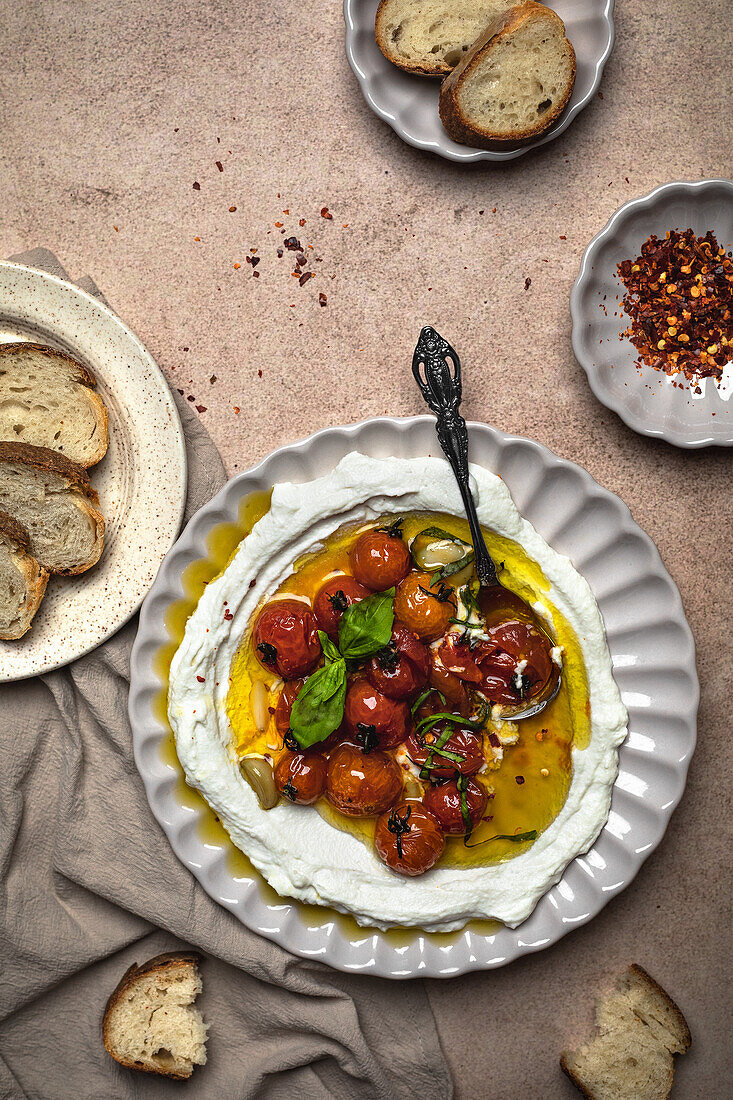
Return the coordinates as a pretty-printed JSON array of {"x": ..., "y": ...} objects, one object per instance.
[
  {"x": 640, "y": 1028},
  {"x": 430, "y": 37},
  {"x": 22, "y": 580},
  {"x": 513, "y": 83},
  {"x": 150, "y": 1023},
  {"x": 52, "y": 497},
  {"x": 47, "y": 399}
]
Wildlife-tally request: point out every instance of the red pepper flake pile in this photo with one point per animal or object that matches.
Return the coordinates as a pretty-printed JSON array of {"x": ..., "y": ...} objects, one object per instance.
[{"x": 679, "y": 296}]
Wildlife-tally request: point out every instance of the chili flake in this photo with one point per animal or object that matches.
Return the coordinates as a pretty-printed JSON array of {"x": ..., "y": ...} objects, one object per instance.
[{"x": 679, "y": 296}]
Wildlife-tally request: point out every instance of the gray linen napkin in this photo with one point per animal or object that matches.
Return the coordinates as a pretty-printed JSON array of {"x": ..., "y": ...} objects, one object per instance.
[{"x": 89, "y": 884}]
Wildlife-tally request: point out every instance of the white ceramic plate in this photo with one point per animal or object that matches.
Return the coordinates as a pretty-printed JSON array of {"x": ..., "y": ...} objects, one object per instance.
[
  {"x": 410, "y": 103},
  {"x": 647, "y": 401},
  {"x": 141, "y": 480},
  {"x": 654, "y": 664}
]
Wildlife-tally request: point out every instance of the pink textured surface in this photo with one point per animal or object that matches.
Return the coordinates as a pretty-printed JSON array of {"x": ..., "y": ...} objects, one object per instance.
[{"x": 110, "y": 113}]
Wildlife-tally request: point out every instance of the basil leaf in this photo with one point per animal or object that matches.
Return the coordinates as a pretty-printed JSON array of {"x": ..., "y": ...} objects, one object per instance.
[
  {"x": 330, "y": 651},
  {"x": 366, "y": 626},
  {"x": 319, "y": 707}
]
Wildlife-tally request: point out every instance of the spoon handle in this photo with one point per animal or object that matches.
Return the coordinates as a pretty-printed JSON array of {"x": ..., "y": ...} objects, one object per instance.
[{"x": 437, "y": 371}]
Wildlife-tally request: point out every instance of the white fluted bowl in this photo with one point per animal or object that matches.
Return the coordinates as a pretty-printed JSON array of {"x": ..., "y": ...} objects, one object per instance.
[
  {"x": 654, "y": 665},
  {"x": 646, "y": 399}
]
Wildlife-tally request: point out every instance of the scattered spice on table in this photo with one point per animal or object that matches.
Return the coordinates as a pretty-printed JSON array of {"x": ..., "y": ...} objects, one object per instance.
[{"x": 679, "y": 297}]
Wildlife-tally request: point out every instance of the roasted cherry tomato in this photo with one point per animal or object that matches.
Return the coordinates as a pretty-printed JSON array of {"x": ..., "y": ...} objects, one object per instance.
[
  {"x": 521, "y": 642},
  {"x": 367, "y": 712},
  {"x": 408, "y": 838},
  {"x": 284, "y": 704},
  {"x": 401, "y": 668},
  {"x": 379, "y": 559},
  {"x": 424, "y": 610},
  {"x": 467, "y": 744},
  {"x": 514, "y": 664},
  {"x": 362, "y": 784},
  {"x": 449, "y": 685},
  {"x": 444, "y": 802},
  {"x": 286, "y": 638},
  {"x": 301, "y": 776},
  {"x": 333, "y": 599}
]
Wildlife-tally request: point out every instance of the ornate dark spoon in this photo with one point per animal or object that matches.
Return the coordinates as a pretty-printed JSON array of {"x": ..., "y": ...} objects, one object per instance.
[{"x": 437, "y": 371}]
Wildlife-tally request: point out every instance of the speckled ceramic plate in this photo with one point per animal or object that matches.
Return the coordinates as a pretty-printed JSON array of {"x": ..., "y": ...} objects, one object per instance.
[
  {"x": 141, "y": 480},
  {"x": 654, "y": 665},
  {"x": 645, "y": 398},
  {"x": 410, "y": 103}
]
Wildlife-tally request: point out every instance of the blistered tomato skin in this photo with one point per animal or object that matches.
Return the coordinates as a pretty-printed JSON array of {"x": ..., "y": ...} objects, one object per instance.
[
  {"x": 401, "y": 669},
  {"x": 333, "y": 599},
  {"x": 362, "y": 784},
  {"x": 366, "y": 706},
  {"x": 451, "y": 686},
  {"x": 466, "y": 743},
  {"x": 409, "y": 839},
  {"x": 286, "y": 638},
  {"x": 379, "y": 560},
  {"x": 444, "y": 802},
  {"x": 284, "y": 704},
  {"x": 491, "y": 665},
  {"x": 418, "y": 607},
  {"x": 301, "y": 777}
]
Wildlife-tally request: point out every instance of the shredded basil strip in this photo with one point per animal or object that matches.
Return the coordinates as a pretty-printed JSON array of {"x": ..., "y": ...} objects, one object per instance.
[
  {"x": 462, "y": 784},
  {"x": 419, "y": 701},
  {"x": 428, "y": 765},
  {"x": 517, "y": 838},
  {"x": 439, "y": 533},
  {"x": 456, "y": 566},
  {"x": 366, "y": 626},
  {"x": 456, "y": 719},
  {"x": 456, "y": 757},
  {"x": 319, "y": 706}
]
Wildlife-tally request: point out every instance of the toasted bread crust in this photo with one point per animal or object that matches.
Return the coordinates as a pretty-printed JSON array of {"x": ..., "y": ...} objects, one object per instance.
[
  {"x": 450, "y": 112},
  {"x": 43, "y": 458},
  {"x": 640, "y": 972},
  {"x": 84, "y": 375},
  {"x": 440, "y": 68},
  {"x": 160, "y": 964},
  {"x": 14, "y": 531},
  {"x": 36, "y": 577}
]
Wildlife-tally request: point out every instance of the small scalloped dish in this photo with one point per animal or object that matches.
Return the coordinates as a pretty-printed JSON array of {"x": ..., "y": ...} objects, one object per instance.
[
  {"x": 647, "y": 400},
  {"x": 409, "y": 104},
  {"x": 653, "y": 661}
]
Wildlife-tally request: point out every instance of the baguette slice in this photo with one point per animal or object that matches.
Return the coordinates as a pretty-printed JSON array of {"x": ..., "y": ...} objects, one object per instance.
[
  {"x": 47, "y": 399},
  {"x": 513, "y": 83},
  {"x": 150, "y": 1023},
  {"x": 430, "y": 37},
  {"x": 52, "y": 497},
  {"x": 22, "y": 580},
  {"x": 640, "y": 1028}
]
